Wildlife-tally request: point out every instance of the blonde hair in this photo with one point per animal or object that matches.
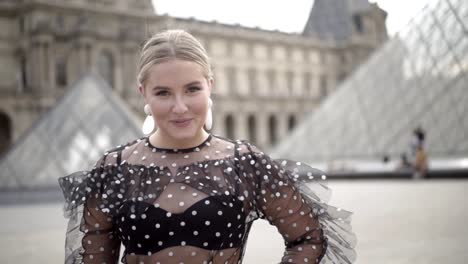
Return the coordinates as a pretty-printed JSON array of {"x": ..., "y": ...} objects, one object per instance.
[{"x": 172, "y": 44}]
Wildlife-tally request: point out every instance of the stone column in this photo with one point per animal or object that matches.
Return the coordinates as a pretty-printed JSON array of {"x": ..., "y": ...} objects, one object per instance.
[
  {"x": 51, "y": 60},
  {"x": 218, "y": 122},
  {"x": 242, "y": 81},
  {"x": 281, "y": 84},
  {"x": 129, "y": 71},
  {"x": 282, "y": 127},
  {"x": 263, "y": 138},
  {"x": 262, "y": 88},
  {"x": 240, "y": 123},
  {"x": 220, "y": 82},
  {"x": 34, "y": 66},
  {"x": 84, "y": 55},
  {"x": 42, "y": 65},
  {"x": 298, "y": 84}
]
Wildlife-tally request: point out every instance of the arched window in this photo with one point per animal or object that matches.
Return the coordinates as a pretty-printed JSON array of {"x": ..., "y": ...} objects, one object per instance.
[
  {"x": 106, "y": 67},
  {"x": 23, "y": 80},
  {"x": 252, "y": 128},
  {"x": 229, "y": 125},
  {"x": 358, "y": 23},
  {"x": 291, "y": 122},
  {"x": 5, "y": 132},
  {"x": 61, "y": 73},
  {"x": 272, "y": 126}
]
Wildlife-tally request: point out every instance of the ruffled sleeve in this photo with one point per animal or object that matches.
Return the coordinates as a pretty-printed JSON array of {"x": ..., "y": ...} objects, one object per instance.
[
  {"x": 90, "y": 236},
  {"x": 293, "y": 197}
]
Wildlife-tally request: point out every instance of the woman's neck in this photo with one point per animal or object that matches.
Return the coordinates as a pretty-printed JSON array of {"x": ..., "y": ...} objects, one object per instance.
[{"x": 161, "y": 140}]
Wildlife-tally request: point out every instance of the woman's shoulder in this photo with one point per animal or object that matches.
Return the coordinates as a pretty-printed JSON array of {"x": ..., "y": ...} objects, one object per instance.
[
  {"x": 114, "y": 155},
  {"x": 241, "y": 146}
]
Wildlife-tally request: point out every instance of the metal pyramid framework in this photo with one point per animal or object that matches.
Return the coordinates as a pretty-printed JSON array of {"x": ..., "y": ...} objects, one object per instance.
[
  {"x": 419, "y": 78},
  {"x": 85, "y": 123}
]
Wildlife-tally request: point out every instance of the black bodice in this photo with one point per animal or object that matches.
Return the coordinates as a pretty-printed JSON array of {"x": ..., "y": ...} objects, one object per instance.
[{"x": 212, "y": 223}]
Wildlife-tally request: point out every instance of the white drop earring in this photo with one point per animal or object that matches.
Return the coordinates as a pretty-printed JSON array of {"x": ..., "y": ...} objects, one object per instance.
[
  {"x": 149, "y": 124},
  {"x": 209, "y": 116}
]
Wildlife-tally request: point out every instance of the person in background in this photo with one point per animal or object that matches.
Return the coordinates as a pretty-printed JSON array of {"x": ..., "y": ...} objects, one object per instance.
[{"x": 418, "y": 154}]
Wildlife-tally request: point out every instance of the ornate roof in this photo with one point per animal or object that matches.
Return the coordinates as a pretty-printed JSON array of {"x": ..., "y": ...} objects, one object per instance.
[{"x": 333, "y": 19}]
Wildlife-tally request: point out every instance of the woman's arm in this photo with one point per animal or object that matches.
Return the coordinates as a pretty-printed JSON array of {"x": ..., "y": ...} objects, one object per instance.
[
  {"x": 293, "y": 197},
  {"x": 281, "y": 203},
  {"x": 100, "y": 242},
  {"x": 90, "y": 236}
]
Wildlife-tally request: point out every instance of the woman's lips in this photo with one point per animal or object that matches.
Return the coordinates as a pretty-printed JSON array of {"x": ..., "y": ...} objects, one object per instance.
[{"x": 181, "y": 122}]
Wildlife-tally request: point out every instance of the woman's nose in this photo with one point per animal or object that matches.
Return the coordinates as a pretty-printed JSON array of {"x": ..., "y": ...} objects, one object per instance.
[{"x": 180, "y": 106}]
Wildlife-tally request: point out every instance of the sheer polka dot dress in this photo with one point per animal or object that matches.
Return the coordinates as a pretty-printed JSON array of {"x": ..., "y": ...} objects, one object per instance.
[{"x": 197, "y": 205}]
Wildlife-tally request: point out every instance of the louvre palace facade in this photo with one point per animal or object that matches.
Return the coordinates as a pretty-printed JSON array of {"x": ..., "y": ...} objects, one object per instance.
[{"x": 265, "y": 81}]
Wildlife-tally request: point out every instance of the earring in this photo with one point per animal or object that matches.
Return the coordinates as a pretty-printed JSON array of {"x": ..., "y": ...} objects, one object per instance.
[
  {"x": 149, "y": 124},
  {"x": 209, "y": 116}
]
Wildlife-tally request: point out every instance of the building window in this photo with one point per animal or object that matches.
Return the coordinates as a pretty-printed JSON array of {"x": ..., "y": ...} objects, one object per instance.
[
  {"x": 358, "y": 25},
  {"x": 308, "y": 83},
  {"x": 22, "y": 26},
  {"x": 342, "y": 76},
  {"x": 250, "y": 50},
  {"x": 5, "y": 132},
  {"x": 291, "y": 122},
  {"x": 273, "y": 131},
  {"x": 106, "y": 67},
  {"x": 271, "y": 79},
  {"x": 207, "y": 45},
  {"x": 252, "y": 75},
  {"x": 252, "y": 128},
  {"x": 323, "y": 58},
  {"x": 22, "y": 78},
  {"x": 229, "y": 48},
  {"x": 343, "y": 58},
  {"x": 290, "y": 82},
  {"x": 229, "y": 125},
  {"x": 231, "y": 79},
  {"x": 323, "y": 86},
  {"x": 61, "y": 73}
]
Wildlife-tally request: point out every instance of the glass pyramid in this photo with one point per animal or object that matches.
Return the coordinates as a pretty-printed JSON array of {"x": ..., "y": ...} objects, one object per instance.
[
  {"x": 88, "y": 120},
  {"x": 418, "y": 78}
]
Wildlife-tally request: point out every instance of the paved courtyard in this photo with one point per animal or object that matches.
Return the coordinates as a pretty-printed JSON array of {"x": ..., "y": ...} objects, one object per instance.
[{"x": 398, "y": 222}]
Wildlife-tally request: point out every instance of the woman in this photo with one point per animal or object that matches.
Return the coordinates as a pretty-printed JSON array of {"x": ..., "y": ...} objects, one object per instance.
[{"x": 183, "y": 195}]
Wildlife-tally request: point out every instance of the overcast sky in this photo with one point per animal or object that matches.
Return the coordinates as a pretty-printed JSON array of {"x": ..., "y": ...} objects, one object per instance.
[{"x": 284, "y": 15}]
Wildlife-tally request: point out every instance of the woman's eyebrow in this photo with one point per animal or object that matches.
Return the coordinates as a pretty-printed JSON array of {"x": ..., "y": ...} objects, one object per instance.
[
  {"x": 160, "y": 88},
  {"x": 168, "y": 88},
  {"x": 193, "y": 83}
]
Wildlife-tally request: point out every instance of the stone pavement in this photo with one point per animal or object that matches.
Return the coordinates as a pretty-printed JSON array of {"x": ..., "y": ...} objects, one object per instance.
[{"x": 398, "y": 222}]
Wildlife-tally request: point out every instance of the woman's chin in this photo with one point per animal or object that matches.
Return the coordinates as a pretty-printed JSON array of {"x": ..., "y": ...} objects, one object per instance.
[{"x": 182, "y": 133}]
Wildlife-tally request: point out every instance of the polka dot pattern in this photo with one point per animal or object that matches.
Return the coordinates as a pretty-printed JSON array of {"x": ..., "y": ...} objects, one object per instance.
[{"x": 196, "y": 205}]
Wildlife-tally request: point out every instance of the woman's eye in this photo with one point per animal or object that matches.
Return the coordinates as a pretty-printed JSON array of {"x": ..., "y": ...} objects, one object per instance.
[
  {"x": 162, "y": 93},
  {"x": 194, "y": 89}
]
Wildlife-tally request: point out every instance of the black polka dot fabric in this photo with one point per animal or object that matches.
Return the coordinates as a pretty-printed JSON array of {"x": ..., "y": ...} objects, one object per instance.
[{"x": 197, "y": 205}]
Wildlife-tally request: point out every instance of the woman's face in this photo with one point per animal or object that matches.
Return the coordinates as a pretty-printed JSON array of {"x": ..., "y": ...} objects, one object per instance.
[{"x": 177, "y": 92}]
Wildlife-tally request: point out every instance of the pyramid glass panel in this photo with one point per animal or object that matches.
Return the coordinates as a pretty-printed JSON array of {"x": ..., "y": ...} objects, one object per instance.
[
  {"x": 418, "y": 78},
  {"x": 85, "y": 123}
]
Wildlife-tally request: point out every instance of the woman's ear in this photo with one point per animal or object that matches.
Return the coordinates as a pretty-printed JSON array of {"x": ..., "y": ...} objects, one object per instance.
[
  {"x": 141, "y": 90},
  {"x": 210, "y": 84}
]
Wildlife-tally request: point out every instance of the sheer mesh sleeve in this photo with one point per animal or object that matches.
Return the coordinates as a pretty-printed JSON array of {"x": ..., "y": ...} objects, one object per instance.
[
  {"x": 90, "y": 236},
  {"x": 289, "y": 196}
]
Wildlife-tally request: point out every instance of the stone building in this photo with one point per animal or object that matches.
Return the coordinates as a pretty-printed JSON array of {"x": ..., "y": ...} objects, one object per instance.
[{"x": 266, "y": 81}]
